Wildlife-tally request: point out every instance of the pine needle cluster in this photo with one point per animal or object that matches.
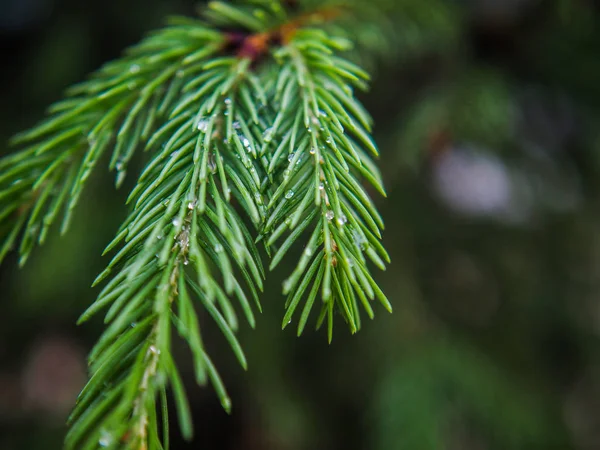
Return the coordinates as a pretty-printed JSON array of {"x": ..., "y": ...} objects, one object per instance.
[{"x": 254, "y": 143}]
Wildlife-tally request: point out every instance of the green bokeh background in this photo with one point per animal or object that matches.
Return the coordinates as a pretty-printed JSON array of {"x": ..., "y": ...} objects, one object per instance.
[{"x": 493, "y": 343}]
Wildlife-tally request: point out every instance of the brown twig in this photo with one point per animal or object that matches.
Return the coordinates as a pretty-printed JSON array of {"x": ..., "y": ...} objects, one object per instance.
[{"x": 255, "y": 46}]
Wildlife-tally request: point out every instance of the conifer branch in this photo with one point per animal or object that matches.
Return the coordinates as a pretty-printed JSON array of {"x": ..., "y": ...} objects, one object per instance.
[
  {"x": 246, "y": 118},
  {"x": 323, "y": 148},
  {"x": 119, "y": 106},
  {"x": 174, "y": 236}
]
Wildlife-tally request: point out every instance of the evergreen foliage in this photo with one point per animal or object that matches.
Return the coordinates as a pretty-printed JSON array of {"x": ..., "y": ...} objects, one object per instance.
[{"x": 252, "y": 133}]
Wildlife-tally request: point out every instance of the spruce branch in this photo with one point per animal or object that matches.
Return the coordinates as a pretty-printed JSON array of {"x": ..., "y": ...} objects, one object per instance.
[
  {"x": 119, "y": 107},
  {"x": 322, "y": 151},
  {"x": 251, "y": 132},
  {"x": 181, "y": 227}
]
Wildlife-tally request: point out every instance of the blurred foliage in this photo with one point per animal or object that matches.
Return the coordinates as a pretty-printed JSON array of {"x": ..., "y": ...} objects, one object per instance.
[{"x": 493, "y": 343}]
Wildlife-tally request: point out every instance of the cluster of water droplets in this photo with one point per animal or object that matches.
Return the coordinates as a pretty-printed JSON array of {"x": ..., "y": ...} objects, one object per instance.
[
  {"x": 154, "y": 350},
  {"x": 183, "y": 237},
  {"x": 291, "y": 157}
]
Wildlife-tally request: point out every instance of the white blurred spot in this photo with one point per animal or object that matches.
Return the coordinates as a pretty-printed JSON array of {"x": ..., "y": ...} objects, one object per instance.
[{"x": 473, "y": 183}]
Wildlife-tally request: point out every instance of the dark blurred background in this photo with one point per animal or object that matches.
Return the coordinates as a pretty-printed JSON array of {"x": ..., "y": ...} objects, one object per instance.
[{"x": 487, "y": 116}]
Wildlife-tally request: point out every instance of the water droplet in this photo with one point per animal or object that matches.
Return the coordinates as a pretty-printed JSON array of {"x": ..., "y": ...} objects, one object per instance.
[
  {"x": 191, "y": 205},
  {"x": 177, "y": 222},
  {"x": 329, "y": 215},
  {"x": 313, "y": 150},
  {"x": 133, "y": 324},
  {"x": 186, "y": 262},
  {"x": 245, "y": 142},
  {"x": 291, "y": 157},
  {"x": 289, "y": 194},
  {"x": 236, "y": 125},
  {"x": 286, "y": 174},
  {"x": 202, "y": 125},
  {"x": 159, "y": 237},
  {"x": 106, "y": 439},
  {"x": 359, "y": 240},
  {"x": 329, "y": 140},
  {"x": 219, "y": 248},
  {"x": 342, "y": 220},
  {"x": 321, "y": 187},
  {"x": 268, "y": 134},
  {"x": 120, "y": 166},
  {"x": 154, "y": 350},
  {"x": 212, "y": 163},
  {"x": 258, "y": 199},
  {"x": 135, "y": 68},
  {"x": 322, "y": 113},
  {"x": 228, "y": 101}
]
